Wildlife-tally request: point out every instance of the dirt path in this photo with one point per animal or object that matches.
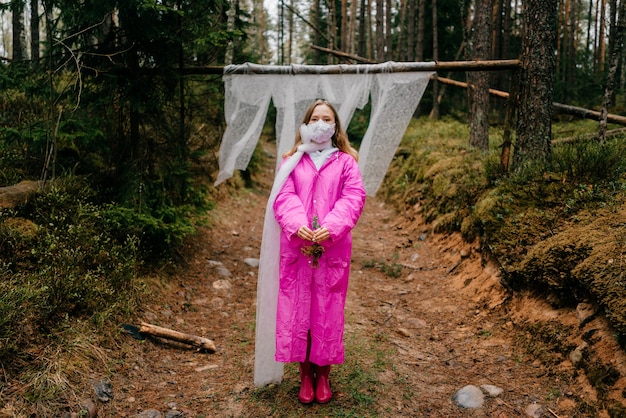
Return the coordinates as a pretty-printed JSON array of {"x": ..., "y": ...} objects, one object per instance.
[{"x": 424, "y": 319}]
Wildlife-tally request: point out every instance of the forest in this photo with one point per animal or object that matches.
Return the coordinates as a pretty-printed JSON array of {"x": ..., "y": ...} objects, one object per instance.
[{"x": 112, "y": 113}]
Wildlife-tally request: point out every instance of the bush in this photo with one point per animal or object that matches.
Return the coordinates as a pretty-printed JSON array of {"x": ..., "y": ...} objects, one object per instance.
[{"x": 59, "y": 259}]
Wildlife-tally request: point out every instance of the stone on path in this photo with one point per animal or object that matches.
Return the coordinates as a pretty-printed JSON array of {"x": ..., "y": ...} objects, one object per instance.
[{"x": 469, "y": 397}]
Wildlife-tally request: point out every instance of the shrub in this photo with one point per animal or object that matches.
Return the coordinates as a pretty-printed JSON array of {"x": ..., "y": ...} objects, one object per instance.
[{"x": 59, "y": 259}]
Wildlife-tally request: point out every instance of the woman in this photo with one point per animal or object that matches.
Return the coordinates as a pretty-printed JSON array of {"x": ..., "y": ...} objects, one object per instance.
[{"x": 316, "y": 209}]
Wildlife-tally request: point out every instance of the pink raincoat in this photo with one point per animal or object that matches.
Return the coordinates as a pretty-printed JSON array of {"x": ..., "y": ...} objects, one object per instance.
[{"x": 314, "y": 298}]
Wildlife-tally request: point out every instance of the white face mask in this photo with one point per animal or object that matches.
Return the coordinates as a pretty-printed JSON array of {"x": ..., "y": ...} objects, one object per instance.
[{"x": 318, "y": 132}]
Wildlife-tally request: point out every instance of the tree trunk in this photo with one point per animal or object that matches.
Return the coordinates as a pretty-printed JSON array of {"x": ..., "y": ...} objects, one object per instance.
[
  {"x": 380, "y": 31},
  {"x": 401, "y": 47},
  {"x": 362, "y": 25},
  {"x": 291, "y": 32},
  {"x": 478, "y": 92},
  {"x": 419, "y": 46},
  {"x": 34, "y": 31},
  {"x": 388, "y": 36},
  {"x": 601, "y": 51},
  {"x": 352, "y": 26},
  {"x": 343, "y": 36},
  {"x": 610, "y": 82},
  {"x": 230, "y": 25},
  {"x": 19, "y": 31},
  {"x": 331, "y": 32},
  {"x": 411, "y": 30},
  {"x": 315, "y": 19},
  {"x": 534, "y": 129},
  {"x": 434, "y": 113}
]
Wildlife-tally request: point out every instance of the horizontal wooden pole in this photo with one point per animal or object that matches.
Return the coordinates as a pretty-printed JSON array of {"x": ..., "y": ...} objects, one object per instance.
[{"x": 386, "y": 67}]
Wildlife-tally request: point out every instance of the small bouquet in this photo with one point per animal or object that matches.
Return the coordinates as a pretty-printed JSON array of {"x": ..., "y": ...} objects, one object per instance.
[{"x": 314, "y": 251}]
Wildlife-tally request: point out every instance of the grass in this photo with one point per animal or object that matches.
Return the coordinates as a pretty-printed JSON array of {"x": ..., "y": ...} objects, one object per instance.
[
  {"x": 389, "y": 269},
  {"x": 356, "y": 384}
]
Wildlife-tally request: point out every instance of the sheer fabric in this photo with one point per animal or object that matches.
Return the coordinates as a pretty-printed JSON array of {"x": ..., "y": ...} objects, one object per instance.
[{"x": 394, "y": 98}]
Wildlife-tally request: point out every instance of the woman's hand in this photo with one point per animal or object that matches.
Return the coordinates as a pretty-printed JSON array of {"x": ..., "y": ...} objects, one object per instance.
[
  {"x": 305, "y": 233},
  {"x": 321, "y": 234}
]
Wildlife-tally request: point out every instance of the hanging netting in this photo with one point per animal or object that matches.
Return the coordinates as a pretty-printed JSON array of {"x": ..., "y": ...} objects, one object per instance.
[{"x": 394, "y": 98}]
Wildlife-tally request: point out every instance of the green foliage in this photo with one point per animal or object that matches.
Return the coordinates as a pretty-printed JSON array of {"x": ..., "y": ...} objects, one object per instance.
[{"x": 59, "y": 259}]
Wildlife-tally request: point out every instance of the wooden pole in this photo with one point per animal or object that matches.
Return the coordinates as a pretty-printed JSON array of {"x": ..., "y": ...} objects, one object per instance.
[{"x": 388, "y": 67}]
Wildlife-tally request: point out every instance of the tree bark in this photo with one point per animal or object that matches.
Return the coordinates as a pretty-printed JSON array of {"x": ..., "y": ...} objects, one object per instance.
[
  {"x": 401, "y": 47},
  {"x": 388, "y": 35},
  {"x": 411, "y": 6},
  {"x": 380, "y": 30},
  {"x": 315, "y": 19},
  {"x": 534, "y": 118},
  {"x": 352, "y": 31},
  {"x": 419, "y": 46},
  {"x": 610, "y": 82},
  {"x": 601, "y": 51},
  {"x": 34, "y": 32},
  {"x": 434, "y": 113},
  {"x": 19, "y": 31},
  {"x": 478, "y": 93},
  {"x": 362, "y": 25}
]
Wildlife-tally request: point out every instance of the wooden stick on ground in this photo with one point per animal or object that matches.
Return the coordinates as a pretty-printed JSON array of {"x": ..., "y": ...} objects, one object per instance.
[{"x": 169, "y": 334}]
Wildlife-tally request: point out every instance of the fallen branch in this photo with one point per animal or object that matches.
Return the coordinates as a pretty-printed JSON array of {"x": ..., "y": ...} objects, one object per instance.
[
  {"x": 169, "y": 334},
  {"x": 558, "y": 107},
  {"x": 609, "y": 134}
]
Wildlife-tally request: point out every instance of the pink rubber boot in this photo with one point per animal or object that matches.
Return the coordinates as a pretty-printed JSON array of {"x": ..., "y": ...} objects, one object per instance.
[
  {"x": 307, "y": 392},
  {"x": 323, "y": 393},
  {"x": 307, "y": 377}
]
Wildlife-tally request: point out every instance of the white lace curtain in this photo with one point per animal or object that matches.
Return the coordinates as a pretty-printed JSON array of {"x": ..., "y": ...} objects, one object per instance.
[{"x": 394, "y": 98}]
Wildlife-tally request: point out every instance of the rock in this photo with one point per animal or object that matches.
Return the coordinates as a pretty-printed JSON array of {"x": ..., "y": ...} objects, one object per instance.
[
  {"x": 88, "y": 408},
  {"x": 11, "y": 196},
  {"x": 174, "y": 414},
  {"x": 252, "y": 262},
  {"x": 469, "y": 397},
  {"x": 576, "y": 356},
  {"x": 104, "y": 391},
  {"x": 585, "y": 312},
  {"x": 218, "y": 303},
  {"x": 465, "y": 253},
  {"x": 492, "y": 390},
  {"x": 416, "y": 323},
  {"x": 214, "y": 263},
  {"x": 149, "y": 413},
  {"x": 223, "y": 271},
  {"x": 222, "y": 285},
  {"x": 534, "y": 410}
]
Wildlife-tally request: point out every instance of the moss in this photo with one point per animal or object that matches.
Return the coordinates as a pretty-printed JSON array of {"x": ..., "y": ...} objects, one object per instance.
[{"x": 555, "y": 224}]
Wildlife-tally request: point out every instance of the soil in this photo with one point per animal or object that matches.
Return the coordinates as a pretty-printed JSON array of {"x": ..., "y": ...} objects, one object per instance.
[{"x": 426, "y": 315}]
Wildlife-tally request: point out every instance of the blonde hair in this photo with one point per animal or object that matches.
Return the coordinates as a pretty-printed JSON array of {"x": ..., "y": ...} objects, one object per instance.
[{"x": 339, "y": 138}]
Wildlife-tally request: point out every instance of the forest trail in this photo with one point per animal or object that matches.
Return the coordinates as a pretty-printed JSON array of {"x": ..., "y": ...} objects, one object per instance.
[{"x": 424, "y": 318}]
